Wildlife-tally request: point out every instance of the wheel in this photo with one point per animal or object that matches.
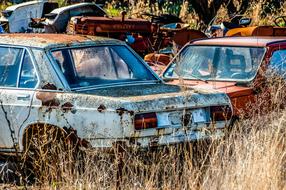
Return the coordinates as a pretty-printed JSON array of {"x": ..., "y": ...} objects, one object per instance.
[{"x": 49, "y": 153}]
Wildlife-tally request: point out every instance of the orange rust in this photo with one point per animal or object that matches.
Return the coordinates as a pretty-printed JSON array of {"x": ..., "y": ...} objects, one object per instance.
[
  {"x": 101, "y": 108},
  {"x": 48, "y": 98},
  {"x": 184, "y": 36},
  {"x": 155, "y": 58},
  {"x": 67, "y": 106},
  {"x": 240, "y": 96},
  {"x": 257, "y": 31},
  {"x": 51, "y": 38},
  {"x": 95, "y": 25}
]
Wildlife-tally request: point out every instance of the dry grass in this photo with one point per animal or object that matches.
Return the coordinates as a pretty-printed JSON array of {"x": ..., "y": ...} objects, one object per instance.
[{"x": 253, "y": 156}]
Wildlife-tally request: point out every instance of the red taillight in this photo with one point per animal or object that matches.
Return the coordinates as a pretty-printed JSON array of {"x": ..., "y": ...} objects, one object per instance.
[
  {"x": 145, "y": 121},
  {"x": 220, "y": 113}
]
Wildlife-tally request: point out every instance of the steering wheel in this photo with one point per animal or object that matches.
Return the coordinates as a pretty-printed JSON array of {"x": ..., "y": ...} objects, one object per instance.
[{"x": 280, "y": 21}]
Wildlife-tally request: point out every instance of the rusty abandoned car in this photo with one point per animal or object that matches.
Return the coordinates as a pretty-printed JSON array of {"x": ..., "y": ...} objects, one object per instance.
[
  {"x": 99, "y": 89},
  {"x": 17, "y": 18},
  {"x": 238, "y": 66}
]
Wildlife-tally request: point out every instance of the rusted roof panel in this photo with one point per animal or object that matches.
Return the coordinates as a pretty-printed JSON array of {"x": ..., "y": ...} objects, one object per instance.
[
  {"x": 241, "y": 41},
  {"x": 54, "y": 40}
]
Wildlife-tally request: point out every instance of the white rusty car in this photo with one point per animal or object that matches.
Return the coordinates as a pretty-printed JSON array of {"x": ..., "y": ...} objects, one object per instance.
[{"x": 99, "y": 90}]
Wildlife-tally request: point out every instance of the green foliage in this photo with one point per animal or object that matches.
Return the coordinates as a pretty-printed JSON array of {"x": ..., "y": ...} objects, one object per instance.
[
  {"x": 111, "y": 11},
  {"x": 172, "y": 7},
  {"x": 62, "y": 3},
  {"x": 3, "y": 6}
]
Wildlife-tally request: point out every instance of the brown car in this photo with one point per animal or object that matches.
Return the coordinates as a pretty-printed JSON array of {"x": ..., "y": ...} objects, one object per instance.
[{"x": 237, "y": 66}]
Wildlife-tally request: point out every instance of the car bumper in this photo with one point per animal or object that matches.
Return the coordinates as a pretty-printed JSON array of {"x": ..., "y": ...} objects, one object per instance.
[{"x": 178, "y": 136}]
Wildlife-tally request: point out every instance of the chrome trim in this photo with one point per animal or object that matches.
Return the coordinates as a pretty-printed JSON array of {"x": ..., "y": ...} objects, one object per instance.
[
  {"x": 57, "y": 70},
  {"x": 20, "y": 67},
  {"x": 95, "y": 87}
]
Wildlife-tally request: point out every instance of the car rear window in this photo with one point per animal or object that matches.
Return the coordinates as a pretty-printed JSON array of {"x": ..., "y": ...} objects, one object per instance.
[{"x": 99, "y": 65}]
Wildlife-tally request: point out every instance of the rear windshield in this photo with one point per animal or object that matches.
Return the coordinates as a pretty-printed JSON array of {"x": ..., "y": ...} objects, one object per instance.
[{"x": 100, "y": 65}]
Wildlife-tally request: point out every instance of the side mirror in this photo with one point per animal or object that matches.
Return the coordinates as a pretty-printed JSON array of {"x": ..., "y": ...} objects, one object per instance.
[{"x": 245, "y": 21}]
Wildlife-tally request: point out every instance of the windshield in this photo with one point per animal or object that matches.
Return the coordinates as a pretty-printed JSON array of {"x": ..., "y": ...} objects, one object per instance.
[
  {"x": 223, "y": 63},
  {"x": 99, "y": 65}
]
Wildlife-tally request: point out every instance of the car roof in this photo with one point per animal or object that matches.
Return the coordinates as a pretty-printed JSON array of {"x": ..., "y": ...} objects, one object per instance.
[
  {"x": 14, "y": 7},
  {"x": 47, "y": 41},
  {"x": 62, "y": 9},
  {"x": 253, "y": 41}
]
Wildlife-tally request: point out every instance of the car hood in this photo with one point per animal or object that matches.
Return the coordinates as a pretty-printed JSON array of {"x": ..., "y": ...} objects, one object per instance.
[
  {"x": 141, "y": 98},
  {"x": 230, "y": 88}
]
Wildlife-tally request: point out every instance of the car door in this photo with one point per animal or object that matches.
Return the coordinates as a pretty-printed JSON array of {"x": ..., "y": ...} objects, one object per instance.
[{"x": 18, "y": 80}]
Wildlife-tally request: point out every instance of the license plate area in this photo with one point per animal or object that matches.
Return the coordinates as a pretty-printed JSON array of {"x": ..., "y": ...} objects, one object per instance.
[{"x": 199, "y": 115}]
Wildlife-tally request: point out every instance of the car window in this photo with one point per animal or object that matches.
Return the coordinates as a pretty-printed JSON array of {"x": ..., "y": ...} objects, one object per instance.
[
  {"x": 277, "y": 63},
  {"x": 225, "y": 63},
  {"x": 9, "y": 66},
  {"x": 103, "y": 63},
  {"x": 28, "y": 77},
  {"x": 99, "y": 65},
  {"x": 87, "y": 11},
  {"x": 48, "y": 7}
]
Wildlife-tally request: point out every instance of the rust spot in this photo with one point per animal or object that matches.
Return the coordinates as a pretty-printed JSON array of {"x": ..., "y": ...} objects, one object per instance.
[
  {"x": 121, "y": 111},
  {"x": 67, "y": 106},
  {"x": 170, "y": 107},
  {"x": 47, "y": 39},
  {"x": 131, "y": 113},
  {"x": 73, "y": 138},
  {"x": 48, "y": 99},
  {"x": 49, "y": 86},
  {"x": 186, "y": 119},
  {"x": 101, "y": 108}
]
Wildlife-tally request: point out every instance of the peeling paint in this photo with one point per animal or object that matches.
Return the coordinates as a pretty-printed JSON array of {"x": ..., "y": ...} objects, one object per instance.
[
  {"x": 104, "y": 115},
  {"x": 101, "y": 108}
]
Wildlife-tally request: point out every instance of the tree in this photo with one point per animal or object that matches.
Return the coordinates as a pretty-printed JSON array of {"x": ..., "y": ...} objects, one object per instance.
[{"x": 207, "y": 9}]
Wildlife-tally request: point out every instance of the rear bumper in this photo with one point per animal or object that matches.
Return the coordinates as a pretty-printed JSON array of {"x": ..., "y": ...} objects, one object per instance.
[{"x": 177, "y": 137}]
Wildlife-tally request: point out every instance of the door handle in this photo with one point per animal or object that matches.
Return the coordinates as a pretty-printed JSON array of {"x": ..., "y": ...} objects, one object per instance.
[{"x": 23, "y": 97}]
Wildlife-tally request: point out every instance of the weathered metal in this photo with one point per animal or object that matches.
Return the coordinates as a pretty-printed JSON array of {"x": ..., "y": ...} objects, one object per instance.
[
  {"x": 105, "y": 25},
  {"x": 244, "y": 93},
  {"x": 57, "y": 20},
  {"x": 17, "y": 17},
  {"x": 102, "y": 114},
  {"x": 136, "y": 32},
  {"x": 257, "y": 31}
]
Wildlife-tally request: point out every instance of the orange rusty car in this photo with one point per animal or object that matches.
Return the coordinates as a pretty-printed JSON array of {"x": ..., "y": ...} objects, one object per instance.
[{"x": 237, "y": 66}]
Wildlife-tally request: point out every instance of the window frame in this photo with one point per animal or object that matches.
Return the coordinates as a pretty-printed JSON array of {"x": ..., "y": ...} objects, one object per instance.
[
  {"x": 163, "y": 74},
  {"x": 25, "y": 49},
  {"x": 67, "y": 85}
]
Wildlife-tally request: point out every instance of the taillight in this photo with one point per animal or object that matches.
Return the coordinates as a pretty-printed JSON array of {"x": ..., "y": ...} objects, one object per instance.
[
  {"x": 145, "y": 121},
  {"x": 220, "y": 113}
]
